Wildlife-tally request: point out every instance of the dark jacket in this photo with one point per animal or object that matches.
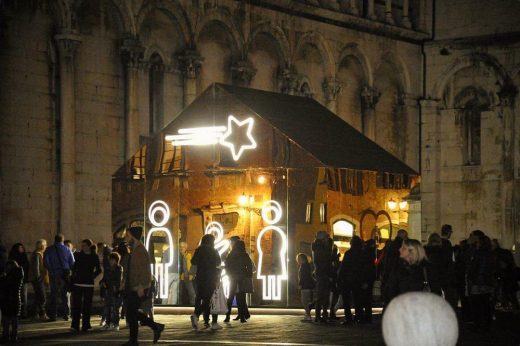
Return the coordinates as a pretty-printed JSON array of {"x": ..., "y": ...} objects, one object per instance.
[
  {"x": 239, "y": 268},
  {"x": 207, "y": 260},
  {"x": 390, "y": 258},
  {"x": 305, "y": 279},
  {"x": 22, "y": 260},
  {"x": 355, "y": 268},
  {"x": 10, "y": 292},
  {"x": 113, "y": 278},
  {"x": 408, "y": 278},
  {"x": 506, "y": 270},
  {"x": 3, "y": 258},
  {"x": 442, "y": 265},
  {"x": 323, "y": 258},
  {"x": 481, "y": 269},
  {"x": 86, "y": 268},
  {"x": 58, "y": 259}
]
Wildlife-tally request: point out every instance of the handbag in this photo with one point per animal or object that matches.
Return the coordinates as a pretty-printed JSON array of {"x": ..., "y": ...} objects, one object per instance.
[
  {"x": 218, "y": 304},
  {"x": 426, "y": 283}
]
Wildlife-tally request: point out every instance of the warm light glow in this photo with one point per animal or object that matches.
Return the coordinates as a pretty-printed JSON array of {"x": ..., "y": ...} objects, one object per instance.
[
  {"x": 392, "y": 205},
  {"x": 403, "y": 205},
  {"x": 272, "y": 284},
  {"x": 160, "y": 270},
  {"x": 275, "y": 209},
  {"x": 224, "y": 139},
  {"x": 385, "y": 233},
  {"x": 262, "y": 179},
  {"x": 343, "y": 228},
  {"x": 222, "y": 246},
  {"x": 243, "y": 200}
]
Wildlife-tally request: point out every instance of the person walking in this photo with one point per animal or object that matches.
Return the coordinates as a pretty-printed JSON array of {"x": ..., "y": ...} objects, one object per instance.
[
  {"x": 413, "y": 272},
  {"x": 322, "y": 257},
  {"x": 38, "y": 277},
  {"x": 391, "y": 260},
  {"x": 112, "y": 279},
  {"x": 506, "y": 276},
  {"x": 306, "y": 284},
  {"x": 138, "y": 277},
  {"x": 185, "y": 275},
  {"x": 207, "y": 260},
  {"x": 369, "y": 277},
  {"x": 232, "y": 281},
  {"x": 85, "y": 270},
  {"x": 239, "y": 268},
  {"x": 58, "y": 260},
  {"x": 103, "y": 250},
  {"x": 124, "y": 251},
  {"x": 19, "y": 255}
]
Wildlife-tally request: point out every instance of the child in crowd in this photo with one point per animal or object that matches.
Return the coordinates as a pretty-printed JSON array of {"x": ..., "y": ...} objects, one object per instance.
[
  {"x": 11, "y": 283},
  {"x": 306, "y": 284},
  {"x": 112, "y": 283}
]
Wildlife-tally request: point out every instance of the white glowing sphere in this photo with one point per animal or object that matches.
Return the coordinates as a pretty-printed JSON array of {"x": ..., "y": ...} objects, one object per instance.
[{"x": 420, "y": 318}]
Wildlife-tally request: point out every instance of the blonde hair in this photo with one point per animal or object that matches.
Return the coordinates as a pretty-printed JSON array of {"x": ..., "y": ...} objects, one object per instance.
[
  {"x": 416, "y": 250},
  {"x": 39, "y": 242}
]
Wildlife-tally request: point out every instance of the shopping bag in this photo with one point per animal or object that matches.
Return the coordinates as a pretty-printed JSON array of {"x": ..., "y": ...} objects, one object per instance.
[{"x": 218, "y": 303}]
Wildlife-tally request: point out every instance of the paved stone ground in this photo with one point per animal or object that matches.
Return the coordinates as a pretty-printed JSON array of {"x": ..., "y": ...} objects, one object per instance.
[{"x": 261, "y": 330}]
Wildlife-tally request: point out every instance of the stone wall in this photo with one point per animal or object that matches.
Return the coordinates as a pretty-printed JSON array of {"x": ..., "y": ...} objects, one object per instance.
[{"x": 75, "y": 100}]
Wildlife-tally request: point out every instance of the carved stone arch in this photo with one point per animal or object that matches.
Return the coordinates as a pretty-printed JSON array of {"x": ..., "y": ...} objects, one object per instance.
[
  {"x": 155, "y": 49},
  {"x": 469, "y": 60},
  {"x": 61, "y": 12},
  {"x": 224, "y": 19},
  {"x": 397, "y": 62},
  {"x": 124, "y": 15},
  {"x": 316, "y": 39},
  {"x": 174, "y": 10},
  {"x": 353, "y": 50},
  {"x": 278, "y": 35},
  {"x": 473, "y": 96}
]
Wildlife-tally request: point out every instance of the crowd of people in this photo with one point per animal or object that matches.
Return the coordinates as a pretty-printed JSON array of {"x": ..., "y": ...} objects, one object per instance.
[{"x": 477, "y": 275}]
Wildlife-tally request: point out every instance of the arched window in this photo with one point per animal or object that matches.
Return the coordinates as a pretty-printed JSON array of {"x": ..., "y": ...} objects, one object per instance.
[{"x": 156, "y": 91}]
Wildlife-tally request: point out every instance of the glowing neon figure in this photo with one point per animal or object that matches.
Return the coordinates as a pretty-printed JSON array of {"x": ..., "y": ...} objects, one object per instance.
[
  {"x": 272, "y": 284},
  {"x": 222, "y": 246},
  {"x": 160, "y": 270},
  {"x": 212, "y": 135}
]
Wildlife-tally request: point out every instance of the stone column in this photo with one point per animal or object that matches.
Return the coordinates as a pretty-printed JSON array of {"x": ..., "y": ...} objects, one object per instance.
[
  {"x": 67, "y": 44},
  {"x": 406, "y": 12},
  {"x": 411, "y": 117},
  {"x": 371, "y": 13},
  {"x": 331, "y": 90},
  {"x": 430, "y": 161},
  {"x": 389, "y": 18},
  {"x": 190, "y": 63},
  {"x": 132, "y": 56},
  {"x": 369, "y": 98},
  {"x": 242, "y": 73}
]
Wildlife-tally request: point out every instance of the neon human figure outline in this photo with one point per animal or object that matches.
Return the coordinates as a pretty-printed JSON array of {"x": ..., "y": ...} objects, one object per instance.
[
  {"x": 160, "y": 270},
  {"x": 272, "y": 284},
  {"x": 221, "y": 245}
]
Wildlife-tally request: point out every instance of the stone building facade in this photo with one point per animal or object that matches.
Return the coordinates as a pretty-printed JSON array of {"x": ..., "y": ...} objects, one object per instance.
[{"x": 84, "y": 83}]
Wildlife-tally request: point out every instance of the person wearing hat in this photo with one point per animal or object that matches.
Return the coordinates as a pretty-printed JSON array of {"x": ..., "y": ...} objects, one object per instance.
[{"x": 138, "y": 277}]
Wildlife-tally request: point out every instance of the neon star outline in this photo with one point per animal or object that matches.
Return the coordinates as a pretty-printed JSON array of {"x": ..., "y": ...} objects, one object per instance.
[{"x": 223, "y": 140}]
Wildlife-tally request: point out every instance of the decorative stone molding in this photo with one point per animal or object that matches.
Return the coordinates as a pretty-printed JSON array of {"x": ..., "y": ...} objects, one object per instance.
[
  {"x": 243, "y": 72},
  {"x": 331, "y": 88},
  {"x": 507, "y": 95},
  {"x": 132, "y": 52},
  {"x": 289, "y": 81},
  {"x": 190, "y": 63},
  {"x": 67, "y": 44},
  {"x": 369, "y": 97}
]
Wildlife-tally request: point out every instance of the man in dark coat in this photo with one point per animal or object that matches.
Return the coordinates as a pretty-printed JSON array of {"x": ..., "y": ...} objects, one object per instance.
[
  {"x": 391, "y": 260},
  {"x": 11, "y": 300},
  {"x": 322, "y": 255}
]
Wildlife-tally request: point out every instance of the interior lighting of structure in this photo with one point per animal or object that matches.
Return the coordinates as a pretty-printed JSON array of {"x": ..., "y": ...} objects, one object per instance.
[
  {"x": 403, "y": 205},
  {"x": 262, "y": 179},
  {"x": 272, "y": 283},
  {"x": 392, "y": 205},
  {"x": 243, "y": 200},
  {"x": 232, "y": 123},
  {"x": 343, "y": 228},
  {"x": 160, "y": 270},
  {"x": 212, "y": 135},
  {"x": 222, "y": 246}
]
